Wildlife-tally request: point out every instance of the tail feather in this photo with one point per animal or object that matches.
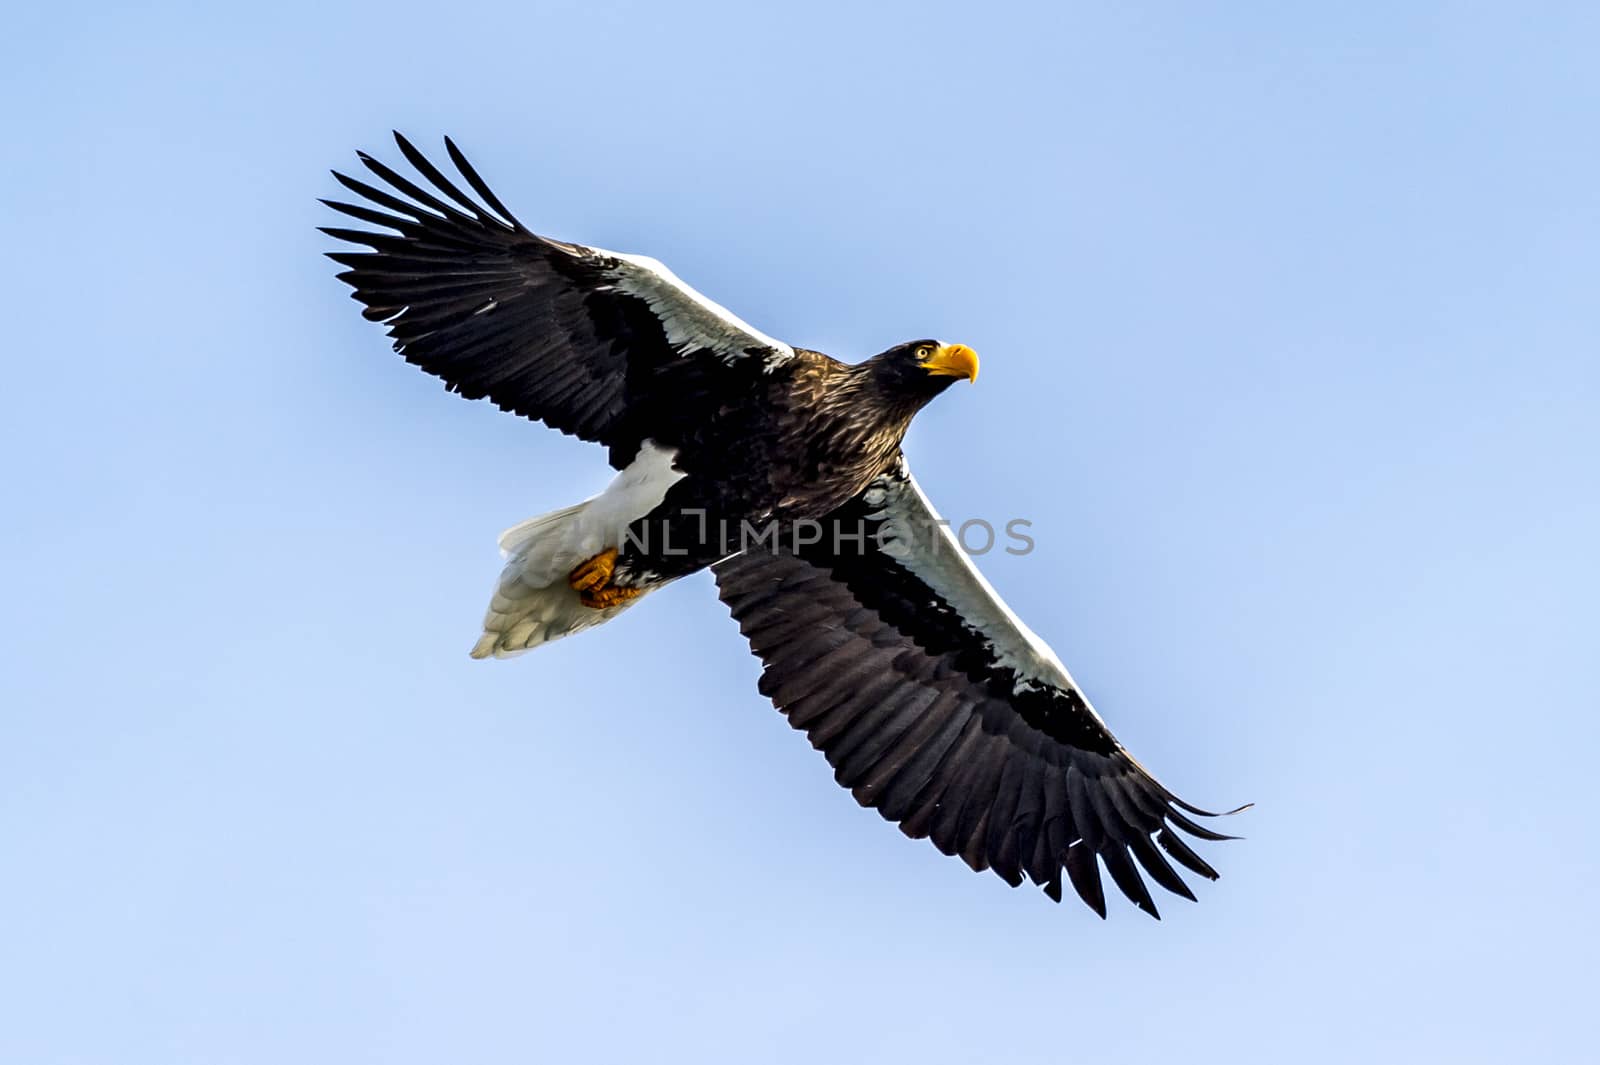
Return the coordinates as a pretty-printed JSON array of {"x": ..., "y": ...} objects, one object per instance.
[
  {"x": 523, "y": 533},
  {"x": 532, "y": 602}
]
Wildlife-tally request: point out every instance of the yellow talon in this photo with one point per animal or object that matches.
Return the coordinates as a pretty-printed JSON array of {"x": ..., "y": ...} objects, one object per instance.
[
  {"x": 601, "y": 598},
  {"x": 592, "y": 582},
  {"x": 595, "y": 573}
]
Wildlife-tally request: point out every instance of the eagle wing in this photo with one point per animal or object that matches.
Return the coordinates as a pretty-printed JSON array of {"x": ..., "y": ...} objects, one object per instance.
[
  {"x": 609, "y": 347},
  {"x": 936, "y": 706}
]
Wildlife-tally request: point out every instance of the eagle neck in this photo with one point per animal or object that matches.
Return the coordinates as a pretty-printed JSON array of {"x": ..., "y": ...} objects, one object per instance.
[{"x": 876, "y": 414}]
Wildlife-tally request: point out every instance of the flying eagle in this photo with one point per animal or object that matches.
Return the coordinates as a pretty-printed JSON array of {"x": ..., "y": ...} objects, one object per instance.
[{"x": 780, "y": 469}]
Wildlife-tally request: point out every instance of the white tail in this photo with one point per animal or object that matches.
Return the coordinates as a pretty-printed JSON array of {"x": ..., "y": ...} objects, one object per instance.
[{"x": 533, "y": 603}]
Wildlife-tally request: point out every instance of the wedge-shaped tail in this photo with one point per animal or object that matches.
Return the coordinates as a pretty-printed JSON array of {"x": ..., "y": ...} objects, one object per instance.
[{"x": 533, "y": 602}]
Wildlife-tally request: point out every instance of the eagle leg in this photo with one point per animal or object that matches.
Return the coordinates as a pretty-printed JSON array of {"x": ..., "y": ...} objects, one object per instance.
[{"x": 592, "y": 582}]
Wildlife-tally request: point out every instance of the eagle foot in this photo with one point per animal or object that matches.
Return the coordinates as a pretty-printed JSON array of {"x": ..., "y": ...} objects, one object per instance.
[
  {"x": 595, "y": 573},
  {"x": 592, "y": 582},
  {"x": 611, "y": 595}
]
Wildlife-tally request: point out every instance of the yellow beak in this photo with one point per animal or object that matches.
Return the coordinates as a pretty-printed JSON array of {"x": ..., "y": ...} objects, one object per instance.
[{"x": 953, "y": 360}]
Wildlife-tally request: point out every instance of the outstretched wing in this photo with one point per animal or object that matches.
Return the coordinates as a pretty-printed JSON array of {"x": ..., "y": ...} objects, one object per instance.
[
  {"x": 610, "y": 347},
  {"x": 936, "y": 706}
]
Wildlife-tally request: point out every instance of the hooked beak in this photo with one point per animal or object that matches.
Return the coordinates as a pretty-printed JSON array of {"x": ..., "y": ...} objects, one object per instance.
[{"x": 953, "y": 360}]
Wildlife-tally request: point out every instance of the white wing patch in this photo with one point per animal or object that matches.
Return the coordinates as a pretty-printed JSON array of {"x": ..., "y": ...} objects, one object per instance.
[
  {"x": 918, "y": 539},
  {"x": 690, "y": 319}
]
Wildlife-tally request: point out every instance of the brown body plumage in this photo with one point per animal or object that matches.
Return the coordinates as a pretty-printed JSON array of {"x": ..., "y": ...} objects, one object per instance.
[{"x": 807, "y": 438}]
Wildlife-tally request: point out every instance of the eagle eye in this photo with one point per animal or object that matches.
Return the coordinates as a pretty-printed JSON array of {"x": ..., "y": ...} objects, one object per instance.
[{"x": 924, "y": 351}]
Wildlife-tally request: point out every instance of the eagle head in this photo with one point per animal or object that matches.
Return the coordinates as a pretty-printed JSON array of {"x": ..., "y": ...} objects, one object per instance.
[{"x": 924, "y": 368}]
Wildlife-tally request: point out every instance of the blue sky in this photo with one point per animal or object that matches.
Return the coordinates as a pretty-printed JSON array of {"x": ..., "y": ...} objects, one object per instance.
[{"x": 1291, "y": 354}]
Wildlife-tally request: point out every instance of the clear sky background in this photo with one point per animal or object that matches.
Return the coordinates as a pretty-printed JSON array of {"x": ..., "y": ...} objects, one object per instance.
[{"x": 1291, "y": 354}]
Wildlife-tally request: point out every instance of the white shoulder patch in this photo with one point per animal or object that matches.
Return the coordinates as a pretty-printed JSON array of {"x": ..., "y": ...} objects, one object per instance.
[
  {"x": 918, "y": 539},
  {"x": 690, "y": 319}
]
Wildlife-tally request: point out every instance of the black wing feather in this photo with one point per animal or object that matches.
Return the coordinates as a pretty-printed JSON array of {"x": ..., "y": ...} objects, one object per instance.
[
  {"x": 568, "y": 335},
  {"x": 913, "y": 706}
]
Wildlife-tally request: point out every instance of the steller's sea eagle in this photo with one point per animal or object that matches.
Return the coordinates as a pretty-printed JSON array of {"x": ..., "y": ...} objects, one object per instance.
[{"x": 781, "y": 470}]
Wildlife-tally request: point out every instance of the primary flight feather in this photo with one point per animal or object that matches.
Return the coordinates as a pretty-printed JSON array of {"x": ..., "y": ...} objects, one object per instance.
[{"x": 781, "y": 470}]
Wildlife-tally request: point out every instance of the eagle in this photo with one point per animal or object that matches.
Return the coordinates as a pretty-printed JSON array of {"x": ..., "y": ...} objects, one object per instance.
[{"x": 781, "y": 470}]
